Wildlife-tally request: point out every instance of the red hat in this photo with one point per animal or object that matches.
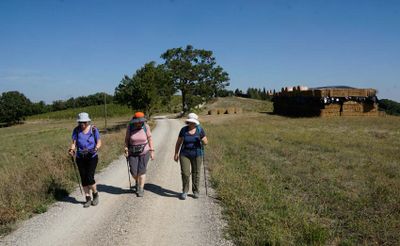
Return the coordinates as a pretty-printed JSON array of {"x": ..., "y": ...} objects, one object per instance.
[{"x": 138, "y": 117}]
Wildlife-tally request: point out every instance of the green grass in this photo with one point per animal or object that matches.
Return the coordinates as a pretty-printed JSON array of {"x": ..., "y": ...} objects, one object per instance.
[
  {"x": 95, "y": 112},
  {"x": 307, "y": 181}
]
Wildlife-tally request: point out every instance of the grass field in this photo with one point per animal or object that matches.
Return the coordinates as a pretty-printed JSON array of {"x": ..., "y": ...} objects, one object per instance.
[
  {"x": 306, "y": 181},
  {"x": 95, "y": 112}
]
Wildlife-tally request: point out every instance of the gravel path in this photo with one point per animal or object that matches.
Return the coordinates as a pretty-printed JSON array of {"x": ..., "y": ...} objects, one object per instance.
[{"x": 121, "y": 218}]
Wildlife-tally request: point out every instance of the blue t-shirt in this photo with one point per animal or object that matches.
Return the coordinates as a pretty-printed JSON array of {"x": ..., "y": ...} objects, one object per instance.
[
  {"x": 85, "y": 143},
  {"x": 191, "y": 146}
]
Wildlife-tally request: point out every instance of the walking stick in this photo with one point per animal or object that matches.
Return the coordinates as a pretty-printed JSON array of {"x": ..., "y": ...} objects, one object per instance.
[
  {"x": 204, "y": 167},
  {"x": 129, "y": 175},
  {"x": 76, "y": 174}
]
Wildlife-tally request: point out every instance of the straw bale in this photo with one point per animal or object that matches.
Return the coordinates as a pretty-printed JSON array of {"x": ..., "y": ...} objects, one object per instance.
[
  {"x": 238, "y": 110},
  {"x": 221, "y": 110},
  {"x": 230, "y": 110},
  {"x": 213, "y": 111},
  {"x": 352, "y": 106},
  {"x": 333, "y": 106}
]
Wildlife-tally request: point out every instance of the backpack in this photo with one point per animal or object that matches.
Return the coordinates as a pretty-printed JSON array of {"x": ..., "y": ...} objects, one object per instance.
[
  {"x": 143, "y": 127},
  {"x": 92, "y": 132}
]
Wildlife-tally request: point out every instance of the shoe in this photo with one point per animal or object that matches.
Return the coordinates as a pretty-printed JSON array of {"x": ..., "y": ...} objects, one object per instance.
[
  {"x": 88, "y": 202},
  {"x": 140, "y": 192},
  {"x": 196, "y": 195},
  {"x": 183, "y": 196},
  {"x": 95, "y": 199}
]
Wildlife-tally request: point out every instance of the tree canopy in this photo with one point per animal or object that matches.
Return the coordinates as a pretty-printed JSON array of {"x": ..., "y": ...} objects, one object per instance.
[
  {"x": 149, "y": 88},
  {"x": 14, "y": 107},
  {"x": 196, "y": 74}
]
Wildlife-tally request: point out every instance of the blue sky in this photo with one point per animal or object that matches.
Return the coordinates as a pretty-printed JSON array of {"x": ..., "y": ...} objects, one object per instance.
[{"x": 53, "y": 49}]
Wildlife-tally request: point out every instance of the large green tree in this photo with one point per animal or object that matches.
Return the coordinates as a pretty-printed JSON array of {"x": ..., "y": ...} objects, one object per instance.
[
  {"x": 14, "y": 107},
  {"x": 196, "y": 74},
  {"x": 148, "y": 89}
]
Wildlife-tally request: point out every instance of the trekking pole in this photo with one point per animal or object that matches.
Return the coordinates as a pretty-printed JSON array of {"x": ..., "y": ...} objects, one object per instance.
[
  {"x": 76, "y": 174},
  {"x": 129, "y": 175},
  {"x": 204, "y": 167}
]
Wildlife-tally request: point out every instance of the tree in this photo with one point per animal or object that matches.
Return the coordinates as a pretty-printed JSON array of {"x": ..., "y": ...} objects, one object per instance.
[
  {"x": 195, "y": 73},
  {"x": 14, "y": 107},
  {"x": 390, "y": 106},
  {"x": 149, "y": 88}
]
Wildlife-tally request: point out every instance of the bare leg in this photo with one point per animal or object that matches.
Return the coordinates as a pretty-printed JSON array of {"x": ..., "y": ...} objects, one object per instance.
[{"x": 142, "y": 180}]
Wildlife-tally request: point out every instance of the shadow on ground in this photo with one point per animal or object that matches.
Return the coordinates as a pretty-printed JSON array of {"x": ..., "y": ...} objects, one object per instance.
[{"x": 160, "y": 190}]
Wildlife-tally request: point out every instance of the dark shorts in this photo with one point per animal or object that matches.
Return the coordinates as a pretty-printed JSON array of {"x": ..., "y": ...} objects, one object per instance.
[
  {"x": 87, "y": 167},
  {"x": 138, "y": 164}
]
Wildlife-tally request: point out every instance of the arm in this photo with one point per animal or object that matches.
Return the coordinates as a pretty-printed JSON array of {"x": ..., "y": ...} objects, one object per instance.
[
  {"x": 177, "y": 147},
  {"x": 150, "y": 140},
  {"x": 72, "y": 148},
  {"x": 204, "y": 140},
  {"x": 126, "y": 142},
  {"x": 98, "y": 145}
]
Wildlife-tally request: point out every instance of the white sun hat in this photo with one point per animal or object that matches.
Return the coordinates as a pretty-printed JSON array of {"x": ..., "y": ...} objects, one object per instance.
[
  {"x": 83, "y": 117},
  {"x": 193, "y": 118}
]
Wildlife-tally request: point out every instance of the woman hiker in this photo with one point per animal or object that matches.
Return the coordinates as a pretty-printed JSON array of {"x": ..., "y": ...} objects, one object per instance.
[
  {"x": 85, "y": 144},
  {"x": 138, "y": 149},
  {"x": 190, "y": 141}
]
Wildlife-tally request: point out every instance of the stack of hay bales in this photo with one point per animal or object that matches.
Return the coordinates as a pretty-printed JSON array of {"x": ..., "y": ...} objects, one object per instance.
[
  {"x": 352, "y": 108},
  {"x": 229, "y": 110},
  {"x": 325, "y": 101},
  {"x": 331, "y": 110}
]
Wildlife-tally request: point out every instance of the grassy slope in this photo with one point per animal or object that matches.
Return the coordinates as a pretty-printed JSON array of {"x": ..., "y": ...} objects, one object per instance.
[
  {"x": 306, "y": 180},
  {"x": 95, "y": 112}
]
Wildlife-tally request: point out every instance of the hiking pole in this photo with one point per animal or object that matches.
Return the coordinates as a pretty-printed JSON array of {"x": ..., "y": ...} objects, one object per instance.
[
  {"x": 76, "y": 174},
  {"x": 204, "y": 167},
  {"x": 129, "y": 175}
]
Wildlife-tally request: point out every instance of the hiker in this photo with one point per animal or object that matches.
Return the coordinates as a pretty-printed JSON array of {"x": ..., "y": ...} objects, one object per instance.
[
  {"x": 138, "y": 149},
  {"x": 85, "y": 144},
  {"x": 190, "y": 143}
]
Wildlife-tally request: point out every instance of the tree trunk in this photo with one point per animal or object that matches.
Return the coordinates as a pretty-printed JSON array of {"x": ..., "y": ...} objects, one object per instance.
[{"x": 184, "y": 106}]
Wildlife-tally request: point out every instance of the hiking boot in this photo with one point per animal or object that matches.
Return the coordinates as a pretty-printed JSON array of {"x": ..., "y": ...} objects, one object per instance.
[
  {"x": 88, "y": 202},
  {"x": 183, "y": 196},
  {"x": 196, "y": 195},
  {"x": 140, "y": 192},
  {"x": 95, "y": 199}
]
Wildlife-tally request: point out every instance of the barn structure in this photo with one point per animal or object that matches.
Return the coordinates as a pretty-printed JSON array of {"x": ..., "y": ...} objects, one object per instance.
[{"x": 325, "y": 101}]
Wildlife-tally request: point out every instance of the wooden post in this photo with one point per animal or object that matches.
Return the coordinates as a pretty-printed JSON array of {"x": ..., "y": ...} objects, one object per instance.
[{"x": 105, "y": 112}]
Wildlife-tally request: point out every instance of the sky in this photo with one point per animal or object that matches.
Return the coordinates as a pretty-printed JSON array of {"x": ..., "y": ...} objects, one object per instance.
[{"x": 57, "y": 49}]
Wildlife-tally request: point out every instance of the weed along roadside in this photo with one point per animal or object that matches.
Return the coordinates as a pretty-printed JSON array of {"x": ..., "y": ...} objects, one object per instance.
[
  {"x": 306, "y": 181},
  {"x": 35, "y": 169}
]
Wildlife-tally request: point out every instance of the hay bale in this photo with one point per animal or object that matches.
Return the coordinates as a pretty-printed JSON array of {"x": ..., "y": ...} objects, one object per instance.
[
  {"x": 221, "y": 110},
  {"x": 238, "y": 110},
  {"x": 352, "y": 106},
  {"x": 230, "y": 110},
  {"x": 213, "y": 111}
]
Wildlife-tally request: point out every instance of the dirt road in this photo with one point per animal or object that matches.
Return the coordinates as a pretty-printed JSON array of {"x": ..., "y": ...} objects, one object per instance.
[{"x": 121, "y": 218}]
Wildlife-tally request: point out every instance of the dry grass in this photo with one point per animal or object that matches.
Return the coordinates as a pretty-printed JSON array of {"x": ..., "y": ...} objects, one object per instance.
[
  {"x": 307, "y": 181},
  {"x": 247, "y": 104}
]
